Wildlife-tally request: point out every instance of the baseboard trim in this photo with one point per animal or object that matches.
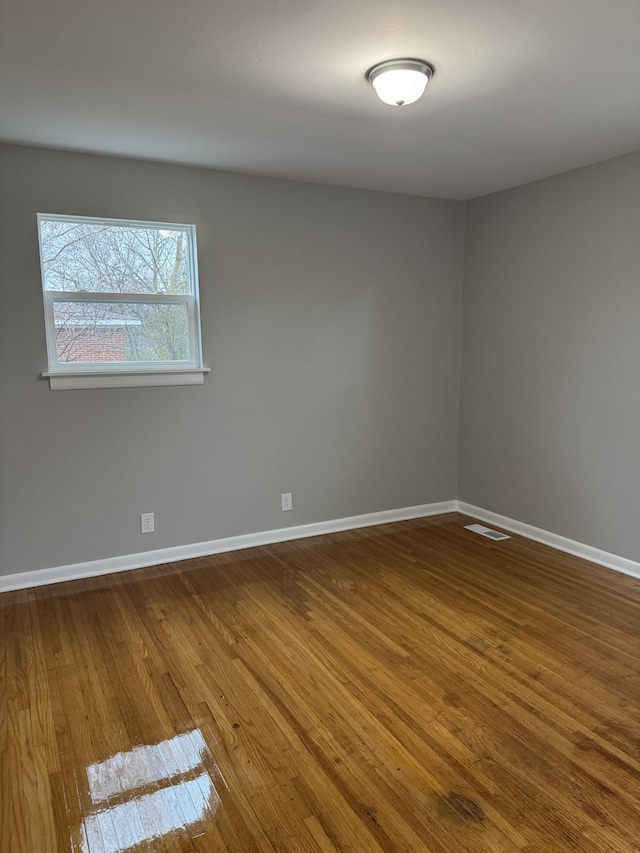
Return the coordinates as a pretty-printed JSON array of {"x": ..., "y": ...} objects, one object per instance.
[
  {"x": 94, "y": 568},
  {"x": 561, "y": 543}
]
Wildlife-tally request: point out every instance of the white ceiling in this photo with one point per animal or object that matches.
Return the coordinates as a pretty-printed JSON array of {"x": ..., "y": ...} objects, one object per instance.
[{"x": 523, "y": 88}]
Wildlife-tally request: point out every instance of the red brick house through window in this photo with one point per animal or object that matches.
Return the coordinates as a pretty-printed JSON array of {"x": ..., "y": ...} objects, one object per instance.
[{"x": 89, "y": 331}]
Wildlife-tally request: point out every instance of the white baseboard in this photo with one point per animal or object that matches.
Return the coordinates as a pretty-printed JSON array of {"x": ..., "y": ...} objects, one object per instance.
[
  {"x": 57, "y": 574},
  {"x": 94, "y": 568},
  {"x": 561, "y": 543}
]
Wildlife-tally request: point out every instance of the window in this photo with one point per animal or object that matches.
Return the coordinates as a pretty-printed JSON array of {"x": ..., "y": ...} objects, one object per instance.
[{"x": 120, "y": 301}]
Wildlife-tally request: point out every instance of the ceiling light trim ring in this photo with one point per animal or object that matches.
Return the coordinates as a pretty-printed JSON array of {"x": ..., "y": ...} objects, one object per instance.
[{"x": 406, "y": 64}]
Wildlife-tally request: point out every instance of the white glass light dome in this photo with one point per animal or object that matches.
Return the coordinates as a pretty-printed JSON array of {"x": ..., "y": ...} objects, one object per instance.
[{"x": 400, "y": 81}]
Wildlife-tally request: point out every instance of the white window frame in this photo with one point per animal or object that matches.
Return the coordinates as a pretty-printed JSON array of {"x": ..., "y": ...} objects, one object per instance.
[{"x": 67, "y": 375}]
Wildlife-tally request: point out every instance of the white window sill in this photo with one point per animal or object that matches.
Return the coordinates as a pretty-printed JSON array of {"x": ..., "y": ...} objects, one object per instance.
[{"x": 65, "y": 381}]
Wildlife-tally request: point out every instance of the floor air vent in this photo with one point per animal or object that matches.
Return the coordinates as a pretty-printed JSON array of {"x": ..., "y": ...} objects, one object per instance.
[{"x": 486, "y": 531}]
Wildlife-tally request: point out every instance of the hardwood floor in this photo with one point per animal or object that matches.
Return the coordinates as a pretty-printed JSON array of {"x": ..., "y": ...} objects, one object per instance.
[{"x": 411, "y": 687}]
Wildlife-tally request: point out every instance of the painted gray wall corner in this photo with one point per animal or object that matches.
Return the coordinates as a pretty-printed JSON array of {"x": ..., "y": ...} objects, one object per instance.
[{"x": 550, "y": 399}]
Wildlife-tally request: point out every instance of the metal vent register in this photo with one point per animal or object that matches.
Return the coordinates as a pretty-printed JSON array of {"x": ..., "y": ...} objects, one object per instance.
[{"x": 486, "y": 531}]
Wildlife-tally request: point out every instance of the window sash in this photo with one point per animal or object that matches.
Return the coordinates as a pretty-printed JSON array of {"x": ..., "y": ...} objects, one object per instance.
[{"x": 53, "y": 296}]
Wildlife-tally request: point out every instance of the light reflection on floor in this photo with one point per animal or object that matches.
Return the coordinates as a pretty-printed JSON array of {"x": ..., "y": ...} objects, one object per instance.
[{"x": 126, "y": 814}]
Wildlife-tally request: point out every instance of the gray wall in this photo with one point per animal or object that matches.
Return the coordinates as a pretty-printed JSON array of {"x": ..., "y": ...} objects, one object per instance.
[
  {"x": 331, "y": 322},
  {"x": 550, "y": 402}
]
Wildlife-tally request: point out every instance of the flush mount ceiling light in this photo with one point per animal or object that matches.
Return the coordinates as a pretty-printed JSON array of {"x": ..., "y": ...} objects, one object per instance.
[{"x": 400, "y": 81}]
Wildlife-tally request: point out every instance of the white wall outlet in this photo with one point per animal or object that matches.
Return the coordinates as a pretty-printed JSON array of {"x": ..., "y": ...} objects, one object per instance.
[
  {"x": 287, "y": 502},
  {"x": 147, "y": 522}
]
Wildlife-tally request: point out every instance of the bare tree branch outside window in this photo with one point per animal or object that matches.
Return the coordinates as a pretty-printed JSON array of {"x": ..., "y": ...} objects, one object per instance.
[{"x": 94, "y": 258}]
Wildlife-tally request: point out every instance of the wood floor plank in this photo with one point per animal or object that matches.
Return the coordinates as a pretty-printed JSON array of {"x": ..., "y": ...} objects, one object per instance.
[{"x": 410, "y": 687}]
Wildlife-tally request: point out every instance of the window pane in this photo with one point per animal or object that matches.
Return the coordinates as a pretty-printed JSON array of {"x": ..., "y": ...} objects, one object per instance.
[
  {"x": 99, "y": 257},
  {"x": 99, "y": 332}
]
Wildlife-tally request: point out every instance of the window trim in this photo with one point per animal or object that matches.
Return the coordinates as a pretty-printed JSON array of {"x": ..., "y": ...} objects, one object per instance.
[
  {"x": 83, "y": 380},
  {"x": 65, "y": 375}
]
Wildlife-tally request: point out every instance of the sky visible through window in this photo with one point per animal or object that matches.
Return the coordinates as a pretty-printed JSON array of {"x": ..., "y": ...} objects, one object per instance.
[{"x": 93, "y": 257}]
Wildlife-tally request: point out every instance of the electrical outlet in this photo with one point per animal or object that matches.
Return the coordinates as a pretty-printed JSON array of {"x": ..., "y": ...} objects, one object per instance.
[
  {"x": 147, "y": 522},
  {"x": 287, "y": 502}
]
